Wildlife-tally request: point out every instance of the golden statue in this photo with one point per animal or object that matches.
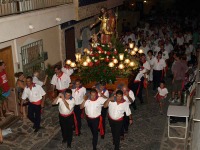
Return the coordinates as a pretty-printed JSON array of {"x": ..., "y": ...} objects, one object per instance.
[{"x": 107, "y": 26}]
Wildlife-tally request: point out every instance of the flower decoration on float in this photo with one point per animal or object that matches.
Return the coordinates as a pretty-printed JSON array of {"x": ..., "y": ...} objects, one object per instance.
[{"x": 105, "y": 62}]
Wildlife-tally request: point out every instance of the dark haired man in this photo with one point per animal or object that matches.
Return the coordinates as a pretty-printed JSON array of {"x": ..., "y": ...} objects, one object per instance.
[
  {"x": 116, "y": 109},
  {"x": 35, "y": 94},
  {"x": 93, "y": 107},
  {"x": 60, "y": 80},
  {"x": 66, "y": 115}
]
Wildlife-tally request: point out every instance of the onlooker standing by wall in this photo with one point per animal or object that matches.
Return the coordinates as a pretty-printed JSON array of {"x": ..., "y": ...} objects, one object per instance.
[
  {"x": 178, "y": 70},
  {"x": 5, "y": 87}
]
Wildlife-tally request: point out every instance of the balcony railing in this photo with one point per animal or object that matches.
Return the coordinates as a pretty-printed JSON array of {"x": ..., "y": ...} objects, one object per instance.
[{"x": 8, "y": 7}]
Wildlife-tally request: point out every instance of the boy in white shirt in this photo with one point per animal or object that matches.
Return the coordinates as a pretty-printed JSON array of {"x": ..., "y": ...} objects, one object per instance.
[
  {"x": 161, "y": 95},
  {"x": 35, "y": 94},
  {"x": 93, "y": 107},
  {"x": 66, "y": 115}
]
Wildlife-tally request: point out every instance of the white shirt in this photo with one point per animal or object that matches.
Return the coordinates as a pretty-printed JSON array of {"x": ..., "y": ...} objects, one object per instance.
[
  {"x": 168, "y": 47},
  {"x": 180, "y": 40},
  {"x": 131, "y": 95},
  {"x": 116, "y": 111},
  {"x": 156, "y": 50},
  {"x": 93, "y": 108},
  {"x": 63, "y": 109},
  {"x": 68, "y": 72},
  {"x": 158, "y": 65},
  {"x": 35, "y": 94},
  {"x": 37, "y": 81},
  {"x": 147, "y": 67},
  {"x": 162, "y": 92},
  {"x": 105, "y": 93},
  {"x": 78, "y": 95},
  {"x": 62, "y": 82},
  {"x": 150, "y": 60},
  {"x": 188, "y": 53}
]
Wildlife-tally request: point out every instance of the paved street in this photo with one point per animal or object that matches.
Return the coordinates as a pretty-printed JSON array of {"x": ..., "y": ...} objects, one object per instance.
[{"x": 146, "y": 133}]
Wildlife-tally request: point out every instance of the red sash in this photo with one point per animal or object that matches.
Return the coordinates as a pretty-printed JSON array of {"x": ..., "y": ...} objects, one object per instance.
[
  {"x": 159, "y": 97},
  {"x": 37, "y": 103},
  {"x": 138, "y": 89},
  {"x": 120, "y": 119},
  {"x": 61, "y": 91}
]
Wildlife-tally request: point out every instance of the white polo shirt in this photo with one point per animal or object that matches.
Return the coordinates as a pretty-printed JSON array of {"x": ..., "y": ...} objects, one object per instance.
[
  {"x": 63, "y": 109},
  {"x": 62, "y": 82},
  {"x": 131, "y": 95},
  {"x": 67, "y": 71},
  {"x": 116, "y": 111},
  {"x": 37, "y": 81},
  {"x": 34, "y": 94},
  {"x": 158, "y": 65},
  {"x": 105, "y": 93},
  {"x": 78, "y": 95},
  {"x": 93, "y": 108},
  {"x": 150, "y": 60},
  {"x": 162, "y": 92}
]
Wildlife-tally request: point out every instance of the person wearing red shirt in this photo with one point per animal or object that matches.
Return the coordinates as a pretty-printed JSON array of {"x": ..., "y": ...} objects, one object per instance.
[{"x": 5, "y": 87}]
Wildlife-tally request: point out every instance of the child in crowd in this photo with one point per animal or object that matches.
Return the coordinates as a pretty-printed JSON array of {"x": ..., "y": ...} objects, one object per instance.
[{"x": 161, "y": 95}]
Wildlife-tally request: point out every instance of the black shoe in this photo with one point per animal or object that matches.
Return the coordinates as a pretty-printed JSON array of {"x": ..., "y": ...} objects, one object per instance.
[
  {"x": 33, "y": 126},
  {"x": 102, "y": 136},
  {"x": 36, "y": 130},
  {"x": 69, "y": 146},
  {"x": 64, "y": 141}
]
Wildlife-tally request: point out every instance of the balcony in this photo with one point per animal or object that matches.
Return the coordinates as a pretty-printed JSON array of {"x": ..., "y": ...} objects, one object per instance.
[{"x": 9, "y": 7}]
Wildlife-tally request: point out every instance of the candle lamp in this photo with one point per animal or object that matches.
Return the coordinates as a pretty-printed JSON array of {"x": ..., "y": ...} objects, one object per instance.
[
  {"x": 115, "y": 61},
  {"x": 78, "y": 57},
  {"x": 131, "y": 45},
  {"x": 121, "y": 56},
  {"x": 68, "y": 62},
  {"x": 111, "y": 64},
  {"x": 85, "y": 63},
  {"x": 121, "y": 66},
  {"x": 73, "y": 64}
]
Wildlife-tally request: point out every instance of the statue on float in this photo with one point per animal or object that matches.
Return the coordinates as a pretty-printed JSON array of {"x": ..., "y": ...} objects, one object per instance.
[{"x": 107, "y": 26}]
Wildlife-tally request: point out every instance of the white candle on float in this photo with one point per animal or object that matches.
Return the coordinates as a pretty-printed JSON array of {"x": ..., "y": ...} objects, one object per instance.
[
  {"x": 131, "y": 64},
  {"x": 73, "y": 64},
  {"x": 127, "y": 61}
]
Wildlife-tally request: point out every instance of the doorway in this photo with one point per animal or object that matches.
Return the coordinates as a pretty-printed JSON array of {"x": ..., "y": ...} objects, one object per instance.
[
  {"x": 70, "y": 44},
  {"x": 6, "y": 56}
]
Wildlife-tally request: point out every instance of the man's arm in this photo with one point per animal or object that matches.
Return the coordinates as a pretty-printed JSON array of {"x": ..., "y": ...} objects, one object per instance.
[{"x": 105, "y": 105}]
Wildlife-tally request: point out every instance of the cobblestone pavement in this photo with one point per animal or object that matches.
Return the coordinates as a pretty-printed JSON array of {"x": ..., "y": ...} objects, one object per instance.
[{"x": 146, "y": 133}]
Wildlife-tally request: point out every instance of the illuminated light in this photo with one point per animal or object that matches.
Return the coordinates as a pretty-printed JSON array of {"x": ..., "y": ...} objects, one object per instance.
[
  {"x": 133, "y": 52},
  {"x": 135, "y": 49},
  {"x": 121, "y": 56},
  {"x": 85, "y": 63},
  {"x": 68, "y": 62},
  {"x": 73, "y": 64},
  {"x": 131, "y": 64},
  {"x": 115, "y": 61},
  {"x": 88, "y": 60},
  {"x": 131, "y": 45},
  {"x": 121, "y": 66},
  {"x": 127, "y": 61},
  {"x": 140, "y": 51},
  {"x": 111, "y": 64}
]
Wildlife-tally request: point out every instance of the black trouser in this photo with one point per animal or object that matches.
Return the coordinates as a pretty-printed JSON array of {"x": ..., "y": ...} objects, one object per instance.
[
  {"x": 34, "y": 114},
  {"x": 116, "y": 127},
  {"x": 66, "y": 124},
  {"x": 157, "y": 76},
  {"x": 93, "y": 125},
  {"x": 104, "y": 114},
  {"x": 78, "y": 113},
  {"x": 138, "y": 86}
]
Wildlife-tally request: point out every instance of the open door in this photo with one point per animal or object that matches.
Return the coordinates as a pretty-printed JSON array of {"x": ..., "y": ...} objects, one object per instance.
[
  {"x": 70, "y": 44},
  {"x": 6, "y": 56}
]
